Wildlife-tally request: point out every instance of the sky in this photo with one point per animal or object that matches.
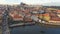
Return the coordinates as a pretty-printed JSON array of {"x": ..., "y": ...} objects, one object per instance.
[{"x": 11, "y": 2}]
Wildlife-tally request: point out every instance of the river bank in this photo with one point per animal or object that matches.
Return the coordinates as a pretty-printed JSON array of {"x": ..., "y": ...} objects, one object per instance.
[{"x": 48, "y": 25}]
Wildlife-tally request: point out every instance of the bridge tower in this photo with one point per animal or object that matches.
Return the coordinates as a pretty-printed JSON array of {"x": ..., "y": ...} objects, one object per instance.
[{"x": 5, "y": 26}]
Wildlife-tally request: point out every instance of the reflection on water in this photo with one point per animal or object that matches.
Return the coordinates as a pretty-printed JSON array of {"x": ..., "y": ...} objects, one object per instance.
[{"x": 34, "y": 29}]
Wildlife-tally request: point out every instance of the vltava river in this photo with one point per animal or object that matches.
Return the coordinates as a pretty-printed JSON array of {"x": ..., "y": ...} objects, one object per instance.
[{"x": 34, "y": 29}]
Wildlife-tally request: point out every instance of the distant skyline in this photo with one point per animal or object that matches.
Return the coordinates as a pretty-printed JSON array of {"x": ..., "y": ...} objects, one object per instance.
[{"x": 34, "y": 2}]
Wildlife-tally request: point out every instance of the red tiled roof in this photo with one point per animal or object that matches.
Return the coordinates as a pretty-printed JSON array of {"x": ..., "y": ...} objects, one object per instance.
[
  {"x": 55, "y": 19},
  {"x": 58, "y": 11}
]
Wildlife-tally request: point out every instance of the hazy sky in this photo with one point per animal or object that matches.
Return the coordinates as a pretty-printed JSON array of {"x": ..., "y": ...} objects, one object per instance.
[{"x": 27, "y": 1}]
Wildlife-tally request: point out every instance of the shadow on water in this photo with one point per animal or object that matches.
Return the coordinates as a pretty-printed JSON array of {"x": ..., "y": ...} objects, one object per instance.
[{"x": 42, "y": 32}]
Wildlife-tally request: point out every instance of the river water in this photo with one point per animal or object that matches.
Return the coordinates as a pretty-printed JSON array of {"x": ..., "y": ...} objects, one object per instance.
[{"x": 34, "y": 29}]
